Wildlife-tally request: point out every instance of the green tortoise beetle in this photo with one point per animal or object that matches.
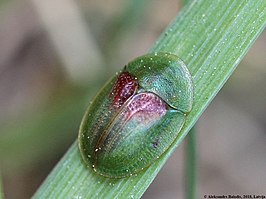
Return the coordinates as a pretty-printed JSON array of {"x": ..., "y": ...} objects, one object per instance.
[{"x": 136, "y": 116}]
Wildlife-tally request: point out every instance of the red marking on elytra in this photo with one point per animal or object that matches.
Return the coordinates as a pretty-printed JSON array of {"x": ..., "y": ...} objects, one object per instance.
[
  {"x": 126, "y": 85},
  {"x": 141, "y": 110},
  {"x": 147, "y": 107}
]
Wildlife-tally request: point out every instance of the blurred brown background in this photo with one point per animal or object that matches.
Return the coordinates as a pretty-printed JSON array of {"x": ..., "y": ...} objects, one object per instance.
[{"x": 55, "y": 55}]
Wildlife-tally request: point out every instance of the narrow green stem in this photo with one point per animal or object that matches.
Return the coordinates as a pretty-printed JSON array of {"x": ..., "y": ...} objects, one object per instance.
[
  {"x": 1, "y": 188},
  {"x": 191, "y": 165}
]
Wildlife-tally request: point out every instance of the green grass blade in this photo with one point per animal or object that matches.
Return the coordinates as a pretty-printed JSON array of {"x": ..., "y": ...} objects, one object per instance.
[{"x": 211, "y": 37}]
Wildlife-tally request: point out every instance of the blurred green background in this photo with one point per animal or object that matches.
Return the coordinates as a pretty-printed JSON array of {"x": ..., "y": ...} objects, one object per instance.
[{"x": 54, "y": 57}]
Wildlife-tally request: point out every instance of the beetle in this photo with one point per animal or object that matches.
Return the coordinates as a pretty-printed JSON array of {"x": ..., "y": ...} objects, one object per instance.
[{"x": 136, "y": 116}]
